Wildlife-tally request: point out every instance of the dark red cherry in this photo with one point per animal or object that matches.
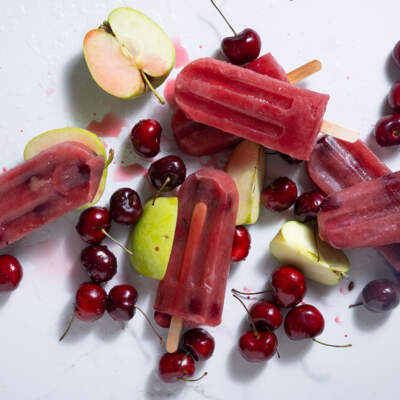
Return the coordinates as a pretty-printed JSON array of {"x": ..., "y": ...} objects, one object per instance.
[
  {"x": 380, "y": 295},
  {"x": 167, "y": 173},
  {"x": 280, "y": 194},
  {"x": 121, "y": 302},
  {"x": 10, "y": 273},
  {"x": 99, "y": 262},
  {"x": 162, "y": 319},
  {"x": 266, "y": 315},
  {"x": 145, "y": 137},
  {"x": 288, "y": 286},
  {"x": 304, "y": 322},
  {"x": 91, "y": 222},
  {"x": 125, "y": 206},
  {"x": 308, "y": 205},
  {"x": 90, "y": 302},
  {"x": 387, "y": 130},
  {"x": 394, "y": 97},
  {"x": 175, "y": 366},
  {"x": 243, "y": 47},
  {"x": 241, "y": 244},
  {"x": 396, "y": 53},
  {"x": 258, "y": 348},
  {"x": 199, "y": 343}
]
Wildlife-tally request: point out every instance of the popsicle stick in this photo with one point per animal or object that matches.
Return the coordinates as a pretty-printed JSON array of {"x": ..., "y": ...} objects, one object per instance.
[
  {"x": 174, "y": 334},
  {"x": 339, "y": 132},
  {"x": 303, "y": 71}
]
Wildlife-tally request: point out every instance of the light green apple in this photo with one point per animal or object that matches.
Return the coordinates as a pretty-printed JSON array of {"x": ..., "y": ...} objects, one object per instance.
[
  {"x": 153, "y": 235},
  {"x": 295, "y": 244},
  {"x": 56, "y": 136},
  {"x": 125, "y": 51},
  {"x": 246, "y": 166}
]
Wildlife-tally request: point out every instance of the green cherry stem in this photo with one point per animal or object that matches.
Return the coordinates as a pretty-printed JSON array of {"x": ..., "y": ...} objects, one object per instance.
[
  {"x": 148, "y": 83},
  {"x": 116, "y": 242},
  {"x": 250, "y": 293},
  {"x": 159, "y": 191},
  {"x": 331, "y": 345},
  {"x": 253, "y": 325},
  {"x": 223, "y": 16},
  {"x": 151, "y": 325},
  {"x": 193, "y": 380},
  {"x": 67, "y": 328}
]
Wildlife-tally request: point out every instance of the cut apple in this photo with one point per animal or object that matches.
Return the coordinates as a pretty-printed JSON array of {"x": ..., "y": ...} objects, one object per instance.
[
  {"x": 152, "y": 237},
  {"x": 56, "y": 136},
  {"x": 295, "y": 244},
  {"x": 246, "y": 166},
  {"x": 128, "y": 53}
]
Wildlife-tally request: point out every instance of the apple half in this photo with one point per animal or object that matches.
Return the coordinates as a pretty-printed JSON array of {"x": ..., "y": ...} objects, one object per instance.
[
  {"x": 246, "y": 166},
  {"x": 56, "y": 136},
  {"x": 295, "y": 244},
  {"x": 152, "y": 237},
  {"x": 128, "y": 54}
]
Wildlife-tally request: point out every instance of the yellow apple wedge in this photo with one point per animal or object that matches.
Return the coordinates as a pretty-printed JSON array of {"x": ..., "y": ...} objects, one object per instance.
[{"x": 295, "y": 244}]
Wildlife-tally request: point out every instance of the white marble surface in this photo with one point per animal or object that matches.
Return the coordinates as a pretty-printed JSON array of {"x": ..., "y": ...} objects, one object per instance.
[{"x": 45, "y": 84}]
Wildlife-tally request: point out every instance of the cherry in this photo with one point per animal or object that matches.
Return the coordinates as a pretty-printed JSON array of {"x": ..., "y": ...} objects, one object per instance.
[
  {"x": 121, "y": 302},
  {"x": 288, "y": 286},
  {"x": 289, "y": 159},
  {"x": 394, "y": 97},
  {"x": 241, "y": 244},
  {"x": 266, "y": 315},
  {"x": 379, "y": 295},
  {"x": 303, "y": 322},
  {"x": 91, "y": 224},
  {"x": 10, "y": 273},
  {"x": 175, "y": 366},
  {"x": 125, "y": 206},
  {"x": 162, "y": 319},
  {"x": 99, "y": 262},
  {"x": 387, "y": 130},
  {"x": 308, "y": 205},
  {"x": 241, "y": 48},
  {"x": 199, "y": 343},
  {"x": 145, "y": 137},
  {"x": 167, "y": 173},
  {"x": 90, "y": 303},
  {"x": 280, "y": 194},
  {"x": 396, "y": 53},
  {"x": 257, "y": 348}
]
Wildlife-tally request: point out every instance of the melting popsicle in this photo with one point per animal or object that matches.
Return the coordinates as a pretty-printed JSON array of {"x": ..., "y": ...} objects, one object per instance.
[{"x": 56, "y": 181}]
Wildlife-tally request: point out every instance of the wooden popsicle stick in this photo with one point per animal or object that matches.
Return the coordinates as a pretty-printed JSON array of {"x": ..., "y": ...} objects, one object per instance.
[
  {"x": 304, "y": 70},
  {"x": 174, "y": 334},
  {"x": 331, "y": 129}
]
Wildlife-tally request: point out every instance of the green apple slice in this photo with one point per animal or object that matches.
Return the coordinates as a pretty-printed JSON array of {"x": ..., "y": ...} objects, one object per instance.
[
  {"x": 295, "y": 244},
  {"x": 246, "y": 166},
  {"x": 152, "y": 237},
  {"x": 126, "y": 51},
  {"x": 56, "y": 136}
]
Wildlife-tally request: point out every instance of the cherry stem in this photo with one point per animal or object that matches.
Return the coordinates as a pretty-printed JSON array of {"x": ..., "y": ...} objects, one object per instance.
[
  {"x": 151, "y": 325},
  {"x": 148, "y": 83},
  {"x": 257, "y": 336},
  {"x": 159, "y": 191},
  {"x": 116, "y": 242},
  {"x": 250, "y": 293},
  {"x": 110, "y": 158},
  {"x": 315, "y": 230},
  {"x": 331, "y": 345},
  {"x": 193, "y": 380},
  {"x": 355, "y": 305},
  {"x": 223, "y": 16},
  {"x": 68, "y": 327}
]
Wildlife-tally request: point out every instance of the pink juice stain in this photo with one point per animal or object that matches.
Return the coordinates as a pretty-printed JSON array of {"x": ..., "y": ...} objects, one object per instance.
[
  {"x": 341, "y": 290},
  {"x": 124, "y": 173},
  {"x": 169, "y": 93},
  {"x": 4, "y": 169},
  {"x": 49, "y": 91},
  {"x": 110, "y": 126},
  {"x": 338, "y": 320},
  {"x": 181, "y": 54}
]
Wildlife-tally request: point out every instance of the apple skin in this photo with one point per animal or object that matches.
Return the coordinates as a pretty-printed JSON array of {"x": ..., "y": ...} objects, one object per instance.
[
  {"x": 295, "y": 245},
  {"x": 246, "y": 166},
  {"x": 51, "y": 138},
  {"x": 126, "y": 45},
  {"x": 152, "y": 237}
]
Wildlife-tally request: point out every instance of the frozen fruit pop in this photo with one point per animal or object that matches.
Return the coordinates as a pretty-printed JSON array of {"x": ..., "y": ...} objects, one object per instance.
[
  {"x": 363, "y": 215},
  {"x": 193, "y": 288},
  {"x": 335, "y": 165},
  {"x": 56, "y": 181},
  {"x": 264, "y": 110}
]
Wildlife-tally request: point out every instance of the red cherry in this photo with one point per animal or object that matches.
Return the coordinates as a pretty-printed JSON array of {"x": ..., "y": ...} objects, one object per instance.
[
  {"x": 243, "y": 47},
  {"x": 241, "y": 244},
  {"x": 175, "y": 366},
  {"x": 308, "y": 205},
  {"x": 266, "y": 315},
  {"x": 304, "y": 322},
  {"x": 387, "y": 130},
  {"x": 10, "y": 273},
  {"x": 121, "y": 302},
  {"x": 167, "y": 173},
  {"x": 90, "y": 303},
  {"x": 258, "y": 349},
  {"x": 199, "y": 343},
  {"x": 125, "y": 206},
  {"x": 162, "y": 319},
  {"x": 99, "y": 262},
  {"x": 91, "y": 222},
  {"x": 394, "y": 97},
  {"x": 280, "y": 194},
  {"x": 145, "y": 137},
  {"x": 396, "y": 53},
  {"x": 288, "y": 286}
]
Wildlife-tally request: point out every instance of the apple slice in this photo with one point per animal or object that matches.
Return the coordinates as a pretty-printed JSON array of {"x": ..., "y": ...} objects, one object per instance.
[
  {"x": 246, "y": 166},
  {"x": 153, "y": 235},
  {"x": 56, "y": 136},
  {"x": 128, "y": 54},
  {"x": 295, "y": 244}
]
